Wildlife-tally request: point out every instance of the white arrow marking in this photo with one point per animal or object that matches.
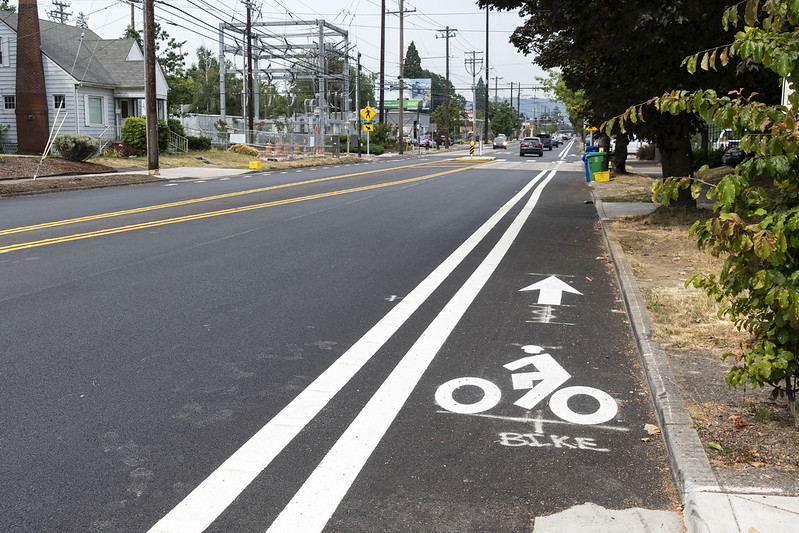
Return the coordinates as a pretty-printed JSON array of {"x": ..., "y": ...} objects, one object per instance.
[{"x": 552, "y": 290}]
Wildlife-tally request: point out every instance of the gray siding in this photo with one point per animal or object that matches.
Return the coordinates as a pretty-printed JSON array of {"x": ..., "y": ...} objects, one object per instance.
[{"x": 8, "y": 77}]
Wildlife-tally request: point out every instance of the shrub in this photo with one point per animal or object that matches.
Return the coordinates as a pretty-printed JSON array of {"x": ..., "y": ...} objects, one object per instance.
[
  {"x": 74, "y": 147},
  {"x": 244, "y": 150},
  {"x": 163, "y": 135},
  {"x": 646, "y": 152},
  {"x": 176, "y": 127},
  {"x": 376, "y": 149},
  {"x": 134, "y": 133},
  {"x": 199, "y": 143}
]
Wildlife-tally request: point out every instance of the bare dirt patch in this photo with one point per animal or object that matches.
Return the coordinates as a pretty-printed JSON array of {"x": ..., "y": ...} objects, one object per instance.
[
  {"x": 741, "y": 428},
  {"x": 58, "y": 174}
]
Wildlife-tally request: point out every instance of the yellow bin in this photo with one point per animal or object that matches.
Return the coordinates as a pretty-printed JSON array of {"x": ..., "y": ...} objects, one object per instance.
[
  {"x": 255, "y": 164},
  {"x": 602, "y": 175}
]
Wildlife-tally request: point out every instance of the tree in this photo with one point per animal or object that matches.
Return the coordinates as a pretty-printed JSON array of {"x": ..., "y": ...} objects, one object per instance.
[
  {"x": 623, "y": 53},
  {"x": 480, "y": 96},
  {"x": 503, "y": 118},
  {"x": 412, "y": 66},
  {"x": 757, "y": 227},
  {"x": 456, "y": 117},
  {"x": 5, "y": 7}
]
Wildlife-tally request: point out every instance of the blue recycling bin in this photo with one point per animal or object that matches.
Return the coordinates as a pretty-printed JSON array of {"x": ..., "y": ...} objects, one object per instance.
[{"x": 588, "y": 150}]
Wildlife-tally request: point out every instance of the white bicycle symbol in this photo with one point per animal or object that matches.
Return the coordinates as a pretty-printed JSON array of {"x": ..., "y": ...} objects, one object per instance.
[{"x": 550, "y": 376}]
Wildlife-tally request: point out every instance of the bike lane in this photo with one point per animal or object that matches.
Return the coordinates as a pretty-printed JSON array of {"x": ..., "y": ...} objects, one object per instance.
[{"x": 535, "y": 403}]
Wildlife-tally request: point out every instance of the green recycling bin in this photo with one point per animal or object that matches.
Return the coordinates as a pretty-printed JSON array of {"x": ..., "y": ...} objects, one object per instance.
[{"x": 597, "y": 162}]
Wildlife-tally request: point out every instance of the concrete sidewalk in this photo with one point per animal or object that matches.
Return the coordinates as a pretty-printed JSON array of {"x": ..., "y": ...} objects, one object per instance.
[{"x": 709, "y": 506}]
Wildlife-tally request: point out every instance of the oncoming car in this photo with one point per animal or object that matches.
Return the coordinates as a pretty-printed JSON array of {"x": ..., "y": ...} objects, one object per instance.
[
  {"x": 531, "y": 145},
  {"x": 500, "y": 141}
]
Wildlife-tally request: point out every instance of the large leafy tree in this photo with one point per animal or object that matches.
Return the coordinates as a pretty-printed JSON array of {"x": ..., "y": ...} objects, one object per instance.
[
  {"x": 757, "y": 228},
  {"x": 620, "y": 53},
  {"x": 503, "y": 118}
]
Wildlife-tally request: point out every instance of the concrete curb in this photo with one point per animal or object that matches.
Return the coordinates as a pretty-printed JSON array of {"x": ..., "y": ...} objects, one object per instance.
[{"x": 690, "y": 466}]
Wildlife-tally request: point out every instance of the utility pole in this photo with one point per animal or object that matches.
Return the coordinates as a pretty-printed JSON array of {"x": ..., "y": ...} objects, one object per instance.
[
  {"x": 59, "y": 15},
  {"x": 401, "y": 13},
  {"x": 358, "y": 104},
  {"x": 401, "y": 75},
  {"x": 496, "y": 88},
  {"x": 382, "y": 104},
  {"x": 447, "y": 34},
  {"x": 473, "y": 66},
  {"x": 250, "y": 106},
  {"x": 149, "y": 81},
  {"x": 485, "y": 125}
]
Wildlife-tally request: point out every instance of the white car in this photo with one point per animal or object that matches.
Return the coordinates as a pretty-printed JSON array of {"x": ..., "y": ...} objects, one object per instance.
[{"x": 725, "y": 140}]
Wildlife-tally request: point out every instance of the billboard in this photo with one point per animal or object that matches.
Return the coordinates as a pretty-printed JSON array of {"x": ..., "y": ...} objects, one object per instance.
[{"x": 417, "y": 92}]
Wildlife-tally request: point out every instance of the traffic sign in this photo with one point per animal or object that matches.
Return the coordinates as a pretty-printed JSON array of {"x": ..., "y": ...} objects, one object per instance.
[
  {"x": 368, "y": 113},
  {"x": 368, "y": 127}
]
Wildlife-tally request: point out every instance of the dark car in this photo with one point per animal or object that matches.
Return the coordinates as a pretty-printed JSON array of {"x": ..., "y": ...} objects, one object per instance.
[
  {"x": 500, "y": 141},
  {"x": 531, "y": 145},
  {"x": 555, "y": 141},
  {"x": 733, "y": 156},
  {"x": 546, "y": 140}
]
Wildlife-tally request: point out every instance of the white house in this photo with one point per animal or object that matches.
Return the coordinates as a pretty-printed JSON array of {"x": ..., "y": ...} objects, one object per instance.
[{"x": 97, "y": 82}]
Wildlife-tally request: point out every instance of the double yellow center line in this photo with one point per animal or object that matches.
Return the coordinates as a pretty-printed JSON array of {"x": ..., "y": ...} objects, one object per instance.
[{"x": 200, "y": 216}]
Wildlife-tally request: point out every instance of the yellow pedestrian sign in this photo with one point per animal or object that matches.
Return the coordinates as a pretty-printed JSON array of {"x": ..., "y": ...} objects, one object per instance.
[
  {"x": 368, "y": 127},
  {"x": 368, "y": 113}
]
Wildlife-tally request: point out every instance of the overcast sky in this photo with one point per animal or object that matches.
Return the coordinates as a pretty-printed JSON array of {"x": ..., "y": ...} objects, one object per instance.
[{"x": 196, "y": 22}]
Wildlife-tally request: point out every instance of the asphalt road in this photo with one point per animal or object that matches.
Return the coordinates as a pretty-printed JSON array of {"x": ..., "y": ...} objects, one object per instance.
[{"x": 418, "y": 344}]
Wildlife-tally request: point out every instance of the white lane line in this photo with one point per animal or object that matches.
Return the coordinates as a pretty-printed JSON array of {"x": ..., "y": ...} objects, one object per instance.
[
  {"x": 211, "y": 497},
  {"x": 566, "y": 149},
  {"x": 320, "y": 495}
]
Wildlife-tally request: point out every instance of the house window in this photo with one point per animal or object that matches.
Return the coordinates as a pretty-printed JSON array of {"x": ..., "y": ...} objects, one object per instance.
[
  {"x": 59, "y": 101},
  {"x": 95, "y": 110},
  {"x": 10, "y": 102},
  {"x": 4, "y": 55}
]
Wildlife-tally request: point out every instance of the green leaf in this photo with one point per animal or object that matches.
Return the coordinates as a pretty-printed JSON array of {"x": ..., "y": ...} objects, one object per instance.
[
  {"x": 750, "y": 15},
  {"x": 704, "y": 64},
  {"x": 691, "y": 63},
  {"x": 715, "y": 445},
  {"x": 724, "y": 56}
]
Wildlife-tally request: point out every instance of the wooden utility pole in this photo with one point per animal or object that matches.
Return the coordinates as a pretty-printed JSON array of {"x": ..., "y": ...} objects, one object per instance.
[
  {"x": 382, "y": 105},
  {"x": 496, "y": 87},
  {"x": 59, "y": 15},
  {"x": 401, "y": 75},
  {"x": 149, "y": 82},
  {"x": 447, "y": 34},
  {"x": 485, "y": 125}
]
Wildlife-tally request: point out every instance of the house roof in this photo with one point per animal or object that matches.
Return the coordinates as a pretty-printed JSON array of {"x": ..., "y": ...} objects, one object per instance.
[{"x": 85, "y": 56}]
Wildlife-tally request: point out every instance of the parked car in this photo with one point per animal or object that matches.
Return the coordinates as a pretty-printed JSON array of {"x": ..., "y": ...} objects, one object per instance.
[
  {"x": 546, "y": 140},
  {"x": 500, "y": 141},
  {"x": 733, "y": 156},
  {"x": 531, "y": 145}
]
